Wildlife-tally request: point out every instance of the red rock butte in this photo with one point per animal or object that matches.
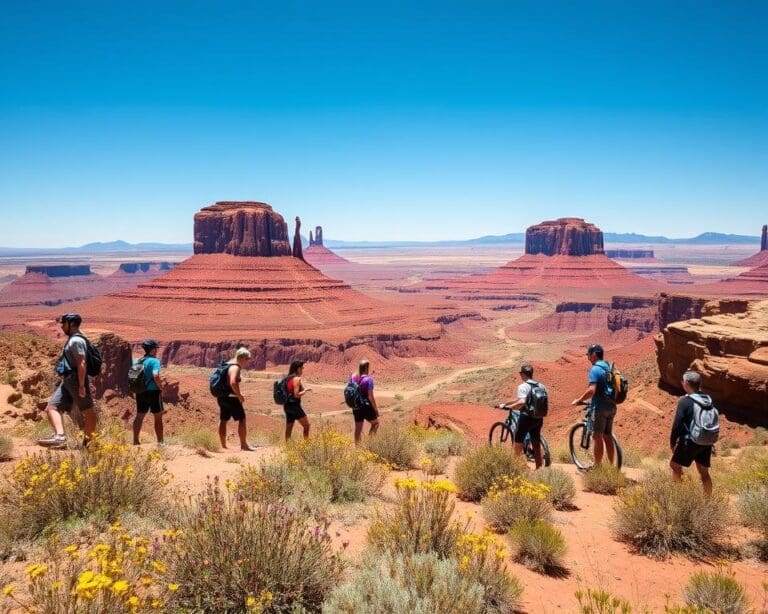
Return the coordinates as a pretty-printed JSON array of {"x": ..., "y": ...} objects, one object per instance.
[
  {"x": 318, "y": 254},
  {"x": 760, "y": 258},
  {"x": 242, "y": 286}
]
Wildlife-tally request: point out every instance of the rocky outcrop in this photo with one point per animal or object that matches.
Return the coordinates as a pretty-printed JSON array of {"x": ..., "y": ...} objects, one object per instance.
[
  {"x": 568, "y": 236},
  {"x": 629, "y": 254},
  {"x": 60, "y": 270},
  {"x": 241, "y": 229},
  {"x": 132, "y": 268},
  {"x": 764, "y": 239},
  {"x": 317, "y": 240},
  {"x": 760, "y": 258},
  {"x": 627, "y": 312},
  {"x": 677, "y": 307},
  {"x": 52, "y": 285},
  {"x": 298, "y": 248},
  {"x": 729, "y": 349},
  {"x": 116, "y": 354}
]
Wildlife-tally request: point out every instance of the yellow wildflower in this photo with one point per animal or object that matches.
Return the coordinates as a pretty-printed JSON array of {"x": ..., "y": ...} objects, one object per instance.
[
  {"x": 173, "y": 587},
  {"x": 36, "y": 570},
  {"x": 120, "y": 587},
  {"x": 8, "y": 590}
]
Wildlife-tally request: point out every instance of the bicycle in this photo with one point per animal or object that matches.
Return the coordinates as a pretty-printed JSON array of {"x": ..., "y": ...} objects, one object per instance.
[
  {"x": 580, "y": 440},
  {"x": 501, "y": 432}
]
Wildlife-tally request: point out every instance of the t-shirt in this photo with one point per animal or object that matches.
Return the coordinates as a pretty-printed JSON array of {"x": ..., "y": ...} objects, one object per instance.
[
  {"x": 151, "y": 368},
  {"x": 523, "y": 390},
  {"x": 597, "y": 375},
  {"x": 683, "y": 417},
  {"x": 365, "y": 382},
  {"x": 74, "y": 347}
]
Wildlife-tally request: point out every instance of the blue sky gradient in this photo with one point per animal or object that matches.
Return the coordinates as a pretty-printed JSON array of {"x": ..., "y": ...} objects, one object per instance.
[{"x": 401, "y": 121}]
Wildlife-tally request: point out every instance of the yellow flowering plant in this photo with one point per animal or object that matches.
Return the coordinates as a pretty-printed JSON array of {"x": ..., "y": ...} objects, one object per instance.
[{"x": 512, "y": 499}]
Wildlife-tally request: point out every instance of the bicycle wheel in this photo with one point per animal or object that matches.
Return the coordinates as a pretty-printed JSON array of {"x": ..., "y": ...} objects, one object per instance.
[
  {"x": 545, "y": 455},
  {"x": 500, "y": 434},
  {"x": 584, "y": 458}
]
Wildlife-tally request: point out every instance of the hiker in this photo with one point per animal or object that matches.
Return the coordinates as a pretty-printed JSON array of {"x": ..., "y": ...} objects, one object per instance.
[
  {"x": 74, "y": 387},
  {"x": 231, "y": 405},
  {"x": 292, "y": 408},
  {"x": 684, "y": 450},
  {"x": 150, "y": 399},
  {"x": 603, "y": 406},
  {"x": 367, "y": 409},
  {"x": 528, "y": 423}
]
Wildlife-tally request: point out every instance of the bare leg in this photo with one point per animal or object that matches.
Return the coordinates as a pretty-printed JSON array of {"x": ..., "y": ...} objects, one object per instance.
[
  {"x": 304, "y": 422},
  {"x": 677, "y": 471},
  {"x": 242, "y": 432},
  {"x": 358, "y": 432},
  {"x": 374, "y": 427},
  {"x": 55, "y": 418},
  {"x": 598, "y": 449},
  {"x": 288, "y": 430},
  {"x": 518, "y": 447},
  {"x": 610, "y": 449},
  {"x": 159, "y": 427},
  {"x": 223, "y": 433},
  {"x": 137, "y": 422},
  {"x": 706, "y": 480},
  {"x": 89, "y": 423},
  {"x": 536, "y": 453}
]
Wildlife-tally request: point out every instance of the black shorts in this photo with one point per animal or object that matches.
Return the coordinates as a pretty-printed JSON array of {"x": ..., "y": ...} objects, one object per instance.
[
  {"x": 365, "y": 412},
  {"x": 293, "y": 412},
  {"x": 149, "y": 400},
  {"x": 230, "y": 408},
  {"x": 687, "y": 452},
  {"x": 528, "y": 426},
  {"x": 603, "y": 422}
]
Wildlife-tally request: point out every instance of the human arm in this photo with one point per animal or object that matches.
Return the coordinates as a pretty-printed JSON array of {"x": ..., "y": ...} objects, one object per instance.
[
  {"x": 234, "y": 384},
  {"x": 586, "y": 395},
  {"x": 521, "y": 401},
  {"x": 81, "y": 373},
  {"x": 678, "y": 423},
  {"x": 298, "y": 388}
]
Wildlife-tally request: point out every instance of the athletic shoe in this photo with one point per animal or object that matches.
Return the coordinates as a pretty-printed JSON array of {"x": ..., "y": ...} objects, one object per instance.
[{"x": 53, "y": 441}]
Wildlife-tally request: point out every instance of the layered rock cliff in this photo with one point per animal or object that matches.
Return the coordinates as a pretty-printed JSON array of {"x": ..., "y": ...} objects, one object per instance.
[{"x": 570, "y": 236}]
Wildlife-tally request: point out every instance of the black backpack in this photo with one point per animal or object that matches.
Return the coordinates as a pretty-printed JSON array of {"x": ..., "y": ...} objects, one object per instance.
[
  {"x": 352, "y": 395},
  {"x": 137, "y": 382},
  {"x": 219, "y": 383},
  {"x": 280, "y": 392},
  {"x": 93, "y": 360},
  {"x": 537, "y": 401}
]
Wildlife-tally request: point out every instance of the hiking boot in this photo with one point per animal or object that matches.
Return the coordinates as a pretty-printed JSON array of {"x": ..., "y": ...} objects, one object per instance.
[{"x": 53, "y": 441}]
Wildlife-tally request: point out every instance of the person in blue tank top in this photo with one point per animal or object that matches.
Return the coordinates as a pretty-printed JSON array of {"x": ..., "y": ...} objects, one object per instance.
[{"x": 151, "y": 398}]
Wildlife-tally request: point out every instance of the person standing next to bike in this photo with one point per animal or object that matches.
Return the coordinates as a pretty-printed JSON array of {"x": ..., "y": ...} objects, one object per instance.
[
  {"x": 603, "y": 406},
  {"x": 527, "y": 424}
]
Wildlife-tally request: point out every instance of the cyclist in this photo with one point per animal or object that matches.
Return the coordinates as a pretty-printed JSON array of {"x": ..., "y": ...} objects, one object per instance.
[
  {"x": 527, "y": 424},
  {"x": 601, "y": 404}
]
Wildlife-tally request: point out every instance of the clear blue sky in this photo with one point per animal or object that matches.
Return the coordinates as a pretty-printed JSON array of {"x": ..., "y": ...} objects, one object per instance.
[{"x": 406, "y": 120}]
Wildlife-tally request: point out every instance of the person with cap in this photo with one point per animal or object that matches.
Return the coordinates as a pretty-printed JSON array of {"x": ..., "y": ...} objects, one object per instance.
[
  {"x": 603, "y": 406},
  {"x": 151, "y": 398},
  {"x": 74, "y": 389},
  {"x": 296, "y": 390},
  {"x": 526, "y": 424}
]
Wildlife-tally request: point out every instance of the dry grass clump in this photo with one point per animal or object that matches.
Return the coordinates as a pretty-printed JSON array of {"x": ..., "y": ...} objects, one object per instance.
[
  {"x": 538, "y": 545},
  {"x": 594, "y": 601},
  {"x": 716, "y": 591},
  {"x": 395, "y": 445},
  {"x": 111, "y": 478},
  {"x": 749, "y": 469},
  {"x": 511, "y": 500},
  {"x": 6, "y": 447},
  {"x": 604, "y": 479},
  {"x": 482, "y": 467},
  {"x": 442, "y": 442},
  {"x": 562, "y": 490},
  {"x": 753, "y": 508},
  {"x": 234, "y": 554},
  {"x": 199, "y": 439},
  {"x": 659, "y": 516},
  {"x": 434, "y": 465}
]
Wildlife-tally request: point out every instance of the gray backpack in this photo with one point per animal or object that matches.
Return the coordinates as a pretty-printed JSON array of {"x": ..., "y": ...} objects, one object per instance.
[
  {"x": 537, "y": 402},
  {"x": 704, "y": 427}
]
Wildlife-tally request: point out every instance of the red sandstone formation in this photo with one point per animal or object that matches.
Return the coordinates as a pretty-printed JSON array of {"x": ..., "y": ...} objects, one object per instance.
[
  {"x": 567, "y": 236},
  {"x": 51, "y": 285},
  {"x": 278, "y": 305},
  {"x": 761, "y": 257},
  {"x": 297, "y": 251},
  {"x": 318, "y": 255},
  {"x": 631, "y": 312},
  {"x": 729, "y": 349},
  {"x": 752, "y": 283},
  {"x": 318, "y": 238}
]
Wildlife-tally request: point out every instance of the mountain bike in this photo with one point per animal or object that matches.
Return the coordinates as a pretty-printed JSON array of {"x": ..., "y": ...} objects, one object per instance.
[
  {"x": 580, "y": 442},
  {"x": 502, "y": 432}
]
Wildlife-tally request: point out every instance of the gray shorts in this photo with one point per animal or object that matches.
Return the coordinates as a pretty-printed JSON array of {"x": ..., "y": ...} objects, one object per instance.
[
  {"x": 65, "y": 396},
  {"x": 603, "y": 421}
]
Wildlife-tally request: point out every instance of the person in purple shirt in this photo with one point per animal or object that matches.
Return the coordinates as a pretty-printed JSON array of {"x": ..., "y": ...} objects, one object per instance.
[{"x": 368, "y": 409}]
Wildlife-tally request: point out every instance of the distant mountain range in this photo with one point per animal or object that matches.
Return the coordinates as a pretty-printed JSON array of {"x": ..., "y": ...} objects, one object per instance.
[{"x": 707, "y": 238}]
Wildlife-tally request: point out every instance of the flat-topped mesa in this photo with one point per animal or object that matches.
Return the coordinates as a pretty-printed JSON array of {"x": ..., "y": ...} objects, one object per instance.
[
  {"x": 145, "y": 267},
  {"x": 629, "y": 254},
  {"x": 60, "y": 270},
  {"x": 567, "y": 236},
  {"x": 243, "y": 228}
]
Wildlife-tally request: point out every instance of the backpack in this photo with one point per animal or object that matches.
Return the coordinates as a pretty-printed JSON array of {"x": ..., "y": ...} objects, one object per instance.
[
  {"x": 704, "y": 427},
  {"x": 616, "y": 385},
  {"x": 280, "y": 391},
  {"x": 352, "y": 395},
  {"x": 137, "y": 382},
  {"x": 219, "y": 382},
  {"x": 93, "y": 360},
  {"x": 537, "y": 401}
]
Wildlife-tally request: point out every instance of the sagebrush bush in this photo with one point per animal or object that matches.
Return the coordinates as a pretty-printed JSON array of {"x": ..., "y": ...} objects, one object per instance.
[
  {"x": 442, "y": 442},
  {"x": 199, "y": 438},
  {"x": 562, "y": 490},
  {"x": 538, "y": 545},
  {"x": 397, "y": 446},
  {"x": 753, "y": 508},
  {"x": 482, "y": 467},
  {"x": 401, "y": 584},
  {"x": 511, "y": 500},
  {"x": 6, "y": 447},
  {"x": 352, "y": 473},
  {"x": 306, "y": 489},
  {"x": 716, "y": 591},
  {"x": 111, "y": 479},
  {"x": 232, "y": 551},
  {"x": 748, "y": 470},
  {"x": 659, "y": 516},
  {"x": 604, "y": 479},
  {"x": 434, "y": 465}
]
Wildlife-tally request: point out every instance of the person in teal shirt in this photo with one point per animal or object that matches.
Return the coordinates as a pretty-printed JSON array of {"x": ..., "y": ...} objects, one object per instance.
[{"x": 151, "y": 398}]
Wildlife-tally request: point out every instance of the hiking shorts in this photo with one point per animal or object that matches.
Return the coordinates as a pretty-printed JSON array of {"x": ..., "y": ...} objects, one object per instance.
[
  {"x": 365, "y": 412},
  {"x": 149, "y": 400},
  {"x": 603, "y": 422},
  {"x": 293, "y": 412},
  {"x": 526, "y": 425},
  {"x": 65, "y": 396},
  {"x": 687, "y": 452},
  {"x": 230, "y": 408}
]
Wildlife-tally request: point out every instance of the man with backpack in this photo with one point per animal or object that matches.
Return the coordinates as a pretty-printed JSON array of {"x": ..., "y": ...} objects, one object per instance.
[
  {"x": 365, "y": 407},
  {"x": 148, "y": 387},
  {"x": 532, "y": 402},
  {"x": 695, "y": 430},
  {"x": 74, "y": 387},
  {"x": 225, "y": 386},
  {"x": 600, "y": 392}
]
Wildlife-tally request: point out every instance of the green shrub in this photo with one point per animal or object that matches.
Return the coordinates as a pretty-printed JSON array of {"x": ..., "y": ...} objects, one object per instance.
[
  {"x": 482, "y": 467},
  {"x": 749, "y": 469},
  {"x": 716, "y": 591},
  {"x": 442, "y": 442},
  {"x": 6, "y": 447},
  {"x": 659, "y": 516},
  {"x": 395, "y": 445},
  {"x": 199, "y": 438},
  {"x": 231, "y": 550},
  {"x": 562, "y": 490},
  {"x": 511, "y": 500},
  {"x": 604, "y": 479},
  {"x": 538, "y": 545},
  {"x": 753, "y": 508}
]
